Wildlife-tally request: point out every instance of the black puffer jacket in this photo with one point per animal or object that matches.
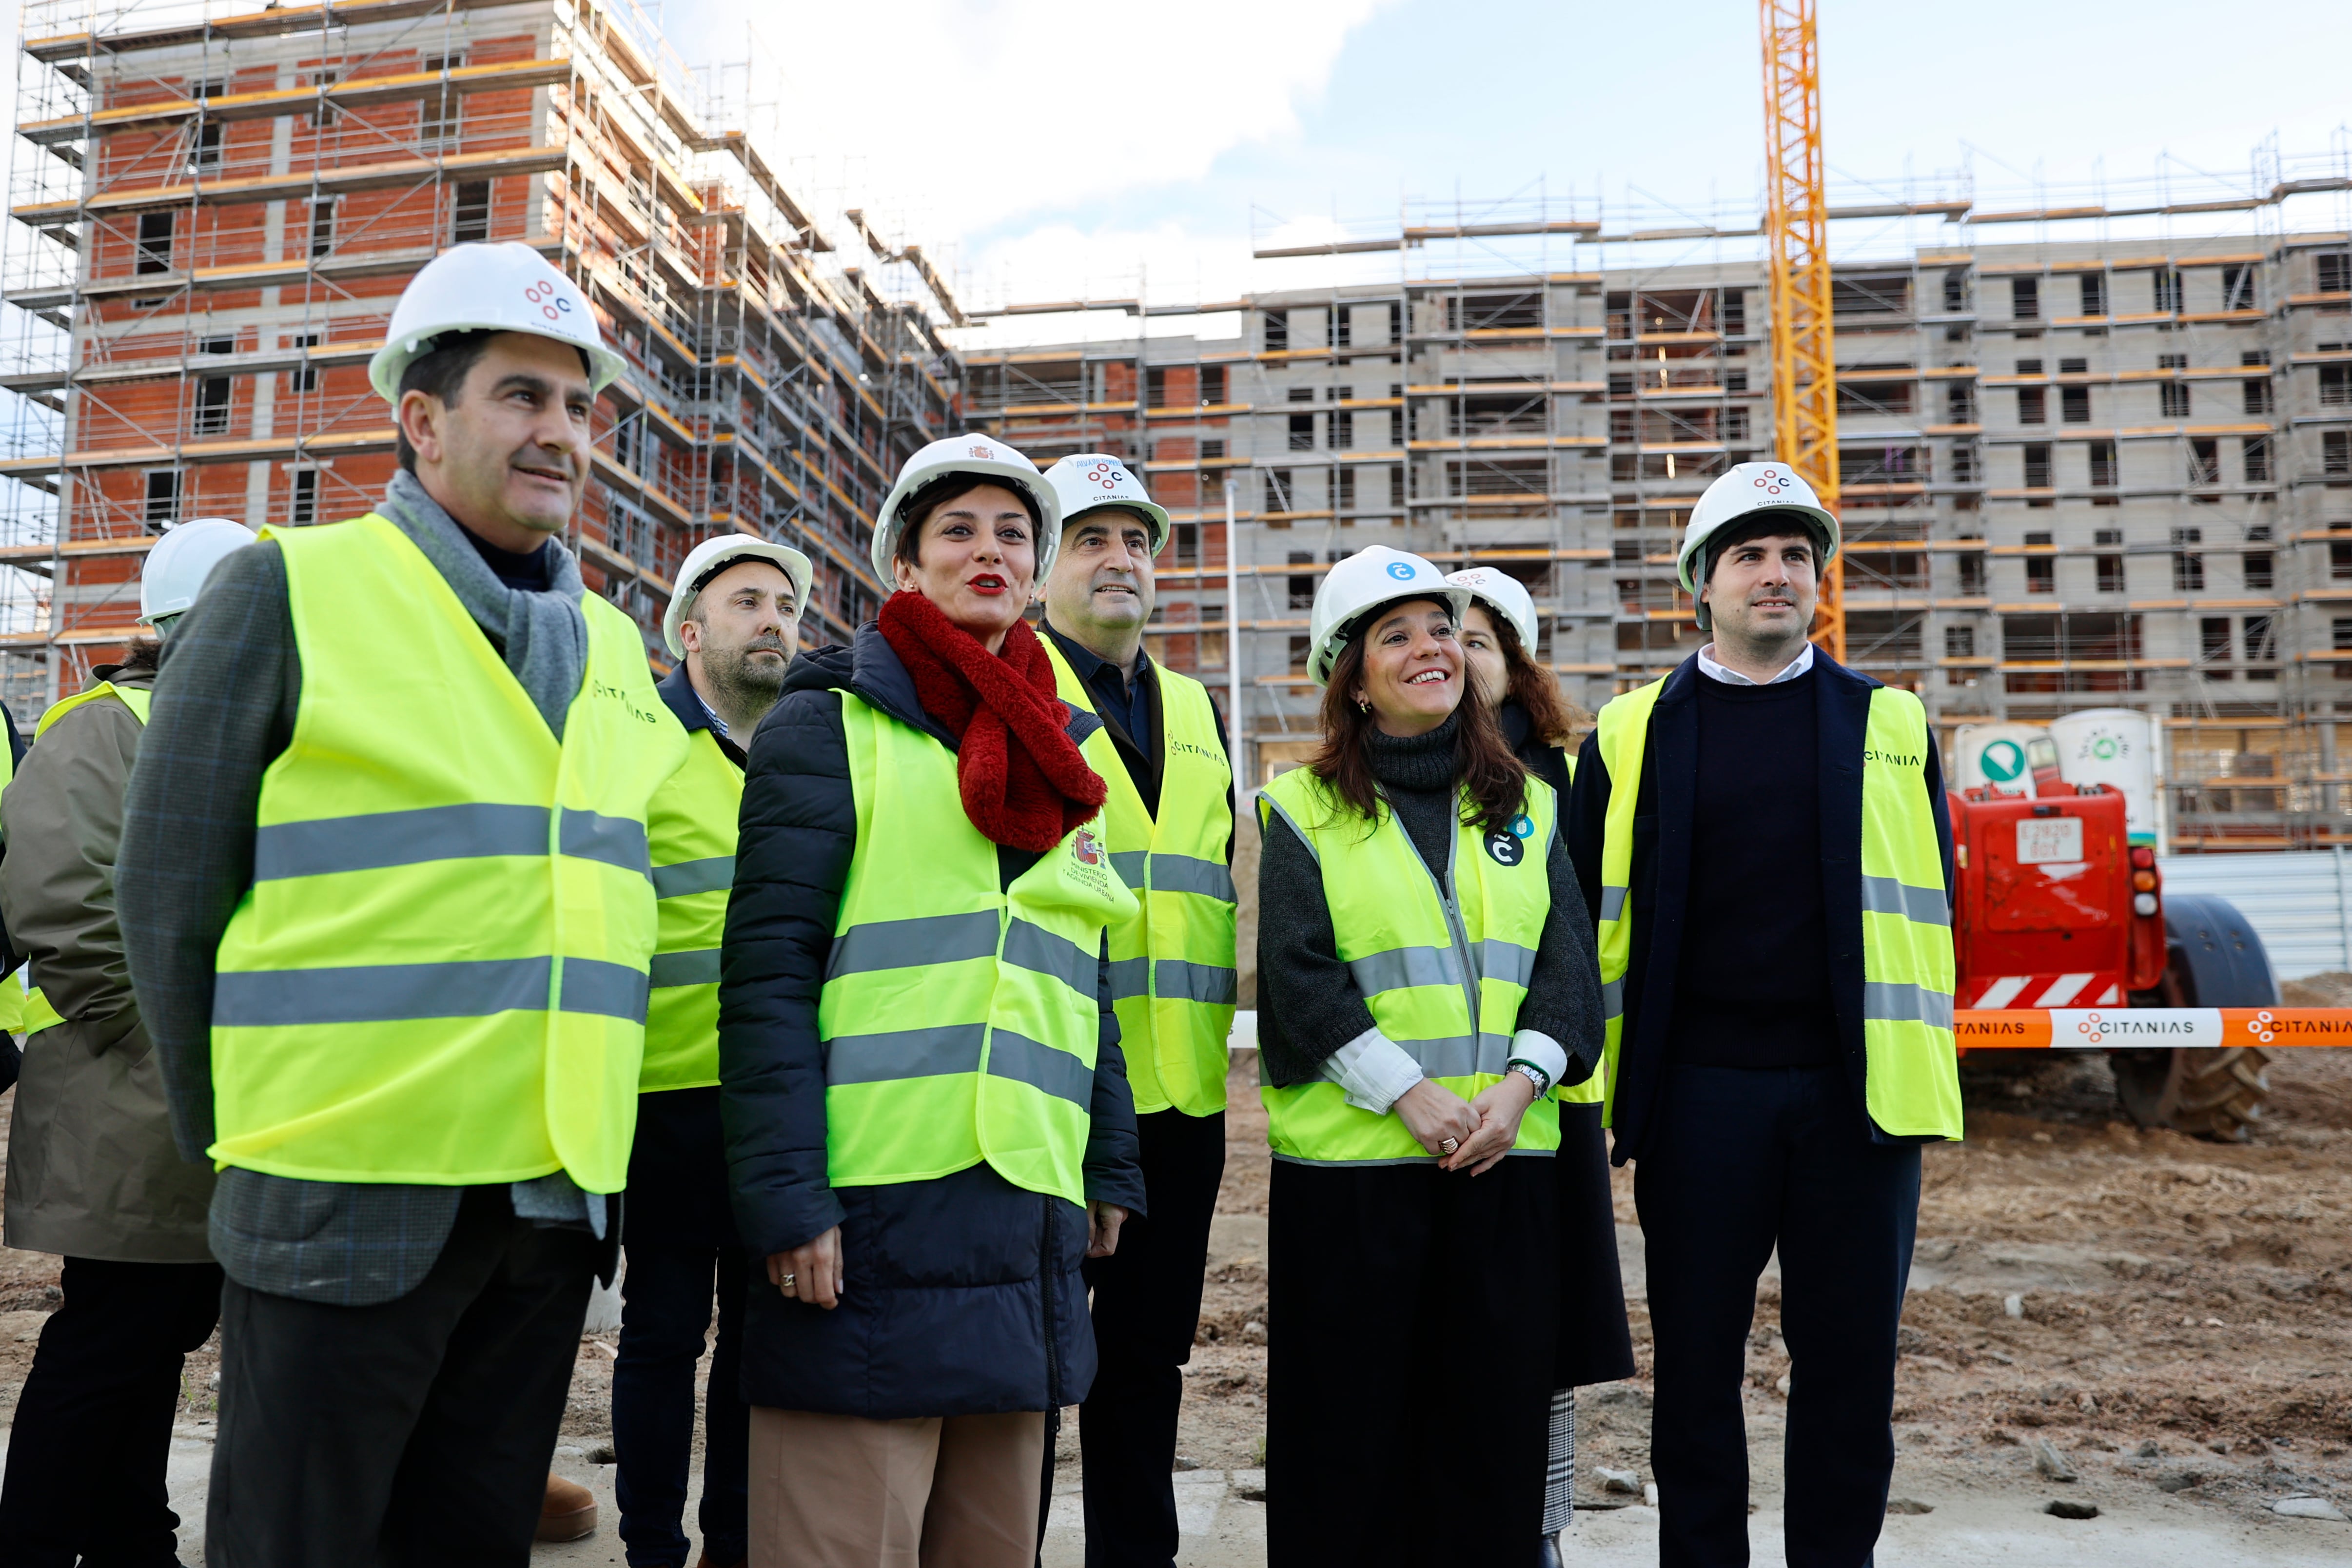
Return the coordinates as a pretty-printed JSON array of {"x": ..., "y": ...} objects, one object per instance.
[{"x": 962, "y": 1294}]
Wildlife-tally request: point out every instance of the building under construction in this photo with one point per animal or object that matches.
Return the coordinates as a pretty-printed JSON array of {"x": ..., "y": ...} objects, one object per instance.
[
  {"x": 215, "y": 209},
  {"x": 2076, "y": 475}
]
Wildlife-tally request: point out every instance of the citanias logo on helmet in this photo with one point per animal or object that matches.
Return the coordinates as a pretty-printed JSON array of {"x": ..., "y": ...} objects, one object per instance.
[
  {"x": 549, "y": 299},
  {"x": 1106, "y": 475},
  {"x": 1770, "y": 482},
  {"x": 1402, "y": 570}
]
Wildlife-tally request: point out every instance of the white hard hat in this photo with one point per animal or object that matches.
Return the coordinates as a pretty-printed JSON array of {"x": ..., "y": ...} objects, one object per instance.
[
  {"x": 710, "y": 557},
  {"x": 176, "y": 568},
  {"x": 1093, "y": 480},
  {"x": 1371, "y": 577},
  {"x": 503, "y": 288},
  {"x": 1506, "y": 594},
  {"x": 1745, "y": 489},
  {"x": 983, "y": 458}
]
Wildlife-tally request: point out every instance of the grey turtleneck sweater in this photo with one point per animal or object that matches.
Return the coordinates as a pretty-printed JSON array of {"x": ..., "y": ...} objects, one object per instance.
[{"x": 1309, "y": 1002}]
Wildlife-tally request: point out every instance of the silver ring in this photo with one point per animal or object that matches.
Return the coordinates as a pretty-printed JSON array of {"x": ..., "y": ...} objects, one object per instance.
[
  {"x": 1448, "y": 1145},
  {"x": 786, "y": 1282}
]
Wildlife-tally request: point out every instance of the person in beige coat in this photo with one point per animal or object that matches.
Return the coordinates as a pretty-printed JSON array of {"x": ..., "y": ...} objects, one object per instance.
[{"x": 92, "y": 1171}]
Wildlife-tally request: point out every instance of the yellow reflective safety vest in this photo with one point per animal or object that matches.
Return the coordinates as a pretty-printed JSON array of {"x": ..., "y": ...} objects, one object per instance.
[
  {"x": 31, "y": 1008},
  {"x": 1912, "y": 1071},
  {"x": 438, "y": 976},
  {"x": 691, "y": 826},
  {"x": 12, "y": 988},
  {"x": 1443, "y": 968},
  {"x": 1172, "y": 966},
  {"x": 960, "y": 1018}
]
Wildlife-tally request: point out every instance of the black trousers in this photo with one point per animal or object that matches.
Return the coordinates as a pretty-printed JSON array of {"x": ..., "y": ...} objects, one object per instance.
[
  {"x": 666, "y": 1308},
  {"x": 1147, "y": 1308},
  {"x": 414, "y": 1432},
  {"x": 1738, "y": 1161},
  {"x": 94, "y": 1427},
  {"x": 1409, "y": 1375}
]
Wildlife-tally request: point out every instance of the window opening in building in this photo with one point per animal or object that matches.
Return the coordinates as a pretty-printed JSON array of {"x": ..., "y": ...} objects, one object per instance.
[
  {"x": 2168, "y": 289},
  {"x": 154, "y": 243},
  {"x": 2260, "y": 565},
  {"x": 2025, "y": 298},
  {"x": 470, "y": 215},
  {"x": 442, "y": 105},
  {"x": 2037, "y": 467},
  {"x": 2237, "y": 286},
  {"x": 212, "y": 405},
  {"x": 2094, "y": 294},
  {"x": 303, "y": 511},
  {"x": 304, "y": 377},
  {"x": 2188, "y": 564},
  {"x": 206, "y": 154},
  {"x": 2040, "y": 571},
  {"x": 2110, "y": 563},
  {"x": 2213, "y": 645},
  {"x": 162, "y": 498},
  {"x": 2334, "y": 271},
  {"x": 1277, "y": 332},
  {"x": 323, "y": 225}
]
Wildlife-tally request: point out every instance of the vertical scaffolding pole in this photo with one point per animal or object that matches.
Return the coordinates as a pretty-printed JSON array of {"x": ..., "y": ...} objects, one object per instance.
[
  {"x": 1796, "y": 228},
  {"x": 1234, "y": 717}
]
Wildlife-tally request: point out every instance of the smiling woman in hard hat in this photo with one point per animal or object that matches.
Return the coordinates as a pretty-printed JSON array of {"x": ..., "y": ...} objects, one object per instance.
[
  {"x": 928, "y": 1125},
  {"x": 92, "y": 1173},
  {"x": 1500, "y": 636},
  {"x": 390, "y": 763},
  {"x": 1762, "y": 839},
  {"x": 1426, "y": 984}
]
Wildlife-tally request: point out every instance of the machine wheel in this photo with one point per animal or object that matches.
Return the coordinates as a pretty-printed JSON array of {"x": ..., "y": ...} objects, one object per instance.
[{"x": 2213, "y": 959}]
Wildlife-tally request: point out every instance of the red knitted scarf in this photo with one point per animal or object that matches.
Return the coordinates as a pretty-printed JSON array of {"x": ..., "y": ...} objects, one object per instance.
[{"x": 1024, "y": 786}]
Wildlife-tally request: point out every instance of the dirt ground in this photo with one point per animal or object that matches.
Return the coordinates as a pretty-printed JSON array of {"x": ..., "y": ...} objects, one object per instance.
[{"x": 2171, "y": 1319}]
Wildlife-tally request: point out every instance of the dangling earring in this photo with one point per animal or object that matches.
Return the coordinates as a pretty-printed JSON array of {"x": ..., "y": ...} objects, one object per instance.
[{"x": 1362, "y": 706}]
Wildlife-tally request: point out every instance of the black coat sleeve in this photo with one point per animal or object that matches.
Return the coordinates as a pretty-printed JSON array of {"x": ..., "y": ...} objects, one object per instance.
[
  {"x": 1563, "y": 997},
  {"x": 1114, "y": 1163},
  {"x": 1588, "y": 821},
  {"x": 1309, "y": 1002},
  {"x": 797, "y": 833}
]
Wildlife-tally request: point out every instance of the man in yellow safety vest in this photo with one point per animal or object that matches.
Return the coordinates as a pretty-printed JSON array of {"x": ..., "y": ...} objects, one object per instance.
[
  {"x": 1162, "y": 750},
  {"x": 386, "y": 897},
  {"x": 1763, "y": 840},
  {"x": 733, "y": 625}
]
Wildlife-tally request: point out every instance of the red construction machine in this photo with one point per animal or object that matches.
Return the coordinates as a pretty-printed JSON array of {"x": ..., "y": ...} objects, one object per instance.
[{"x": 2058, "y": 910}]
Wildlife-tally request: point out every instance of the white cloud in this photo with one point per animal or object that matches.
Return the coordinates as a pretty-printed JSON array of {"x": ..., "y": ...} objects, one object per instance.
[{"x": 944, "y": 119}]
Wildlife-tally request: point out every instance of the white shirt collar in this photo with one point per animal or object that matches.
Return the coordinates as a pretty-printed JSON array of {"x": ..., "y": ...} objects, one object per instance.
[{"x": 1714, "y": 671}]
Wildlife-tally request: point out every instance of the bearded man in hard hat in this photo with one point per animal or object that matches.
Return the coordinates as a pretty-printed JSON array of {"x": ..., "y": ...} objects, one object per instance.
[
  {"x": 92, "y": 1173},
  {"x": 386, "y": 897},
  {"x": 1162, "y": 750},
  {"x": 733, "y": 625},
  {"x": 1763, "y": 840}
]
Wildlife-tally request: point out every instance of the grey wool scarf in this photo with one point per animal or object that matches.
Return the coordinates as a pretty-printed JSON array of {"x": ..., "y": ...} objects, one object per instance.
[{"x": 543, "y": 636}]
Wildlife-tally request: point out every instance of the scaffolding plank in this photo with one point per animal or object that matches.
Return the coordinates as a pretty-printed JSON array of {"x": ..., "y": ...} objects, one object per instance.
[
  {"x": 279, "y": 187},
  {"x": 357, "y": 92}
]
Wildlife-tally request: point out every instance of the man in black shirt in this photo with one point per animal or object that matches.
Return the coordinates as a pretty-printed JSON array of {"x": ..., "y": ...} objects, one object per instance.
[{"x": 1739, "y": 1086}]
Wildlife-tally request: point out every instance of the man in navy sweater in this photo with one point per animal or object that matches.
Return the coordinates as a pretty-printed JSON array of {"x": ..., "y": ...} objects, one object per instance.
[{"x": 1739, "y": 1088}]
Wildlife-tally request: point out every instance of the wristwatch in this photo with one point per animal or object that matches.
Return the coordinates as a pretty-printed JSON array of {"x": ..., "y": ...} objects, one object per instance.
[{"x": 1533, "y": 1075}]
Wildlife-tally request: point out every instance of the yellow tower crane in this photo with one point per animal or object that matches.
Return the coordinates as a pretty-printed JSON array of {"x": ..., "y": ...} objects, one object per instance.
[{"x": 1796, "y": 230}]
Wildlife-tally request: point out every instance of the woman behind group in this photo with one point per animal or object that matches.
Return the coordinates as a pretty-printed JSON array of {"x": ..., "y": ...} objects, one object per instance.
[
  {"x": 927, "y": 1120},
  {"x": 1500, "y": 636},
  {"x": 1427, "y": 981}
]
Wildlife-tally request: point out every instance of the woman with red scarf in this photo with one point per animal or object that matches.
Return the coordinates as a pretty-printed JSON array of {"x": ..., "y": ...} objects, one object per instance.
[{"x": 928, "y": 1126}]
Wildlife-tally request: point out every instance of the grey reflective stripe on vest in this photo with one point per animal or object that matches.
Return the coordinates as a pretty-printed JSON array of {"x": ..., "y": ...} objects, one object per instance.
[
  {"x": 380, "y": 840},
  {"x": 955, "y": 1049},
  {"x": 1399, "y": 967},
  {"x": 397, "y": 992},
  {"x": 685, "y": 878},
  {"x": 1129, "y": 977},
  {"x": 1175, "y": 874},
  {"x": 615, "y": 841},
  {"x": 1613, "y": 903},
  {"x": 1886, "y": 896},
  {"x": 1041, "y": 1066},
  {"x": 1899, "y": 1002},
  {"x": 1035, "y": 948},
  {"x": 1612, "y": 997},
  {"x": 1211, "y": 983},
  {"x": 697, "y": 966},
  {"x": 1460, "y": 1056},
  {"x": 910, "y": 943},
  {"x": 904, "y": 1053},
  {"x": 1506, "y": 961}
]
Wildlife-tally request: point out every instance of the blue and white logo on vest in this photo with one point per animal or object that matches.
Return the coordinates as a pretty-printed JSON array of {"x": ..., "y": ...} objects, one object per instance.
[
  {"x": 1504, "y": 848},
  {"x": 1523, "y": 826},
  {"x": 1402, "y": 570}
]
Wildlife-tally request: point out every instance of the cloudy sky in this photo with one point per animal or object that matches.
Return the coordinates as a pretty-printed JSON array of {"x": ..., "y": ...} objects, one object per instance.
[{"x": 1055, "y": 148}]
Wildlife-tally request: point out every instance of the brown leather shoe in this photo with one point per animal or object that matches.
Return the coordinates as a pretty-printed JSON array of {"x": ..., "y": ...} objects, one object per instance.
[{"x": 569, "y": 1512}]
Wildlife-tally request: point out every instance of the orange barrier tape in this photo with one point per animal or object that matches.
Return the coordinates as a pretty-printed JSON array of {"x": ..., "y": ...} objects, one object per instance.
[{"x": 2141, "y": 1028}]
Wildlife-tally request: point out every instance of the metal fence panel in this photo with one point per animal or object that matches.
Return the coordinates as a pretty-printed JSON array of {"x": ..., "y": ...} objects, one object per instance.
[{"x": 2299, "y": 901}]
